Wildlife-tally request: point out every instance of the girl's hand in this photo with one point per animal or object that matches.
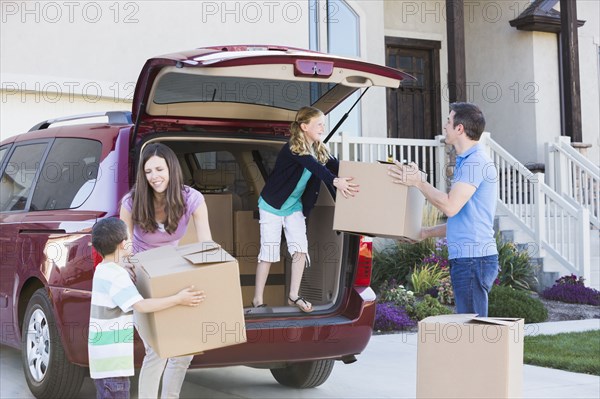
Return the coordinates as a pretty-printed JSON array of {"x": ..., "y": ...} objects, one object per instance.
[
  {"x": 345, "y": 187},
  {"x": 190, "y": 297}
]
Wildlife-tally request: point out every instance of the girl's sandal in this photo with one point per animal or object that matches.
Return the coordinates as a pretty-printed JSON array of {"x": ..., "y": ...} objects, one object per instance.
[{"x": 301, "y": 303}]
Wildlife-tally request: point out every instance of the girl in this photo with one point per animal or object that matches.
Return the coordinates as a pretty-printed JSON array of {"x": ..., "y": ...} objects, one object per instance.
[
  {"x": 157, "y": 211},
  {"x": 288, "y": 197}
]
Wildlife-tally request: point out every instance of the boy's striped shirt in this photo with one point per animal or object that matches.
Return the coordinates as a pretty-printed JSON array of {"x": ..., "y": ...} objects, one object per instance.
[{"x": 110, "y": 339}]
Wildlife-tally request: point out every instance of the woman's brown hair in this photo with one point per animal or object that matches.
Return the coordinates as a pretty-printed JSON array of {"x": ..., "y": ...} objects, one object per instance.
[
  {"x": 298, "y": 143},
  {"x": 142, "y": 194}
]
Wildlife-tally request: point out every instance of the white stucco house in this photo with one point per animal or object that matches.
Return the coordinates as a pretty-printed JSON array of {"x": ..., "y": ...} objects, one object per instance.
[{"x": 535, "y": 73}]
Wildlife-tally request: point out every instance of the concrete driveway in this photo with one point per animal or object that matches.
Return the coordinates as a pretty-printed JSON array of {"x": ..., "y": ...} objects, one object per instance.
[{"x": 387, "y": 369}]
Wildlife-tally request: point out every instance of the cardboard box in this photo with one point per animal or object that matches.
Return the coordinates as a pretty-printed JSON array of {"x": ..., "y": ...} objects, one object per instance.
[
  {"x": 182, "y": 330},
  {"x": 274, "y": 293},
  {"x": 463, "y": 356},
  {"x": 246, "y": 234},
  {"x": 220, "y": 218},
  {"x": 381, "y": 208}
]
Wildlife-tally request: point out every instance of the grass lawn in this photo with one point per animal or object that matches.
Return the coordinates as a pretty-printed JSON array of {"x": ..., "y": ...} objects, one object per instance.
[{"x": 576, "y": 352}]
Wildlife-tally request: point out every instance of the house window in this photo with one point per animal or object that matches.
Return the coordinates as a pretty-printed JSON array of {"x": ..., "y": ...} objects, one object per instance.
[{"x": 334, "y": 27}]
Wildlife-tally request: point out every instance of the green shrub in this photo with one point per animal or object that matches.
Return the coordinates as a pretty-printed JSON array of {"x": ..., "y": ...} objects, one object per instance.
[
  {"x": 509, "y": 302},
  {"x": 396, "y": 262},
  {"x": 516, "y": 270},
  {"x": 427, "y": 276},
  {"x": 430, "y": 306}
]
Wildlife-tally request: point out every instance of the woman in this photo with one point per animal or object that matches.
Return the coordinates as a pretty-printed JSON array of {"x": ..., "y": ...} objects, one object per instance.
[
  {"x": 288, "y": 196},
  {"x": 157, "y": 211}
]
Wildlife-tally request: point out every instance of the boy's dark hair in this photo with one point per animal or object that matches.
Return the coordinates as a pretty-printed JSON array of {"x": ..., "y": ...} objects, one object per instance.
[
  {"x": 107, "y": 234},
  {"x": 470, "y": 116}
]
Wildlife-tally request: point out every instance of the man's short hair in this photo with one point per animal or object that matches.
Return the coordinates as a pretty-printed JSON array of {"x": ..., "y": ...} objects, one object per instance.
[
  {"x": 471, "y": 117},
  {"x": 107, "y": 234}
]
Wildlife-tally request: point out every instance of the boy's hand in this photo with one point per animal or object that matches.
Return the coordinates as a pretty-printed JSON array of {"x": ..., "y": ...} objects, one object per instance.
[{"x": 190, "y": 297}]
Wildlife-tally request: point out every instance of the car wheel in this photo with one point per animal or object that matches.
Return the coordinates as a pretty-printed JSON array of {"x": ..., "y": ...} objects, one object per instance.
[
  {"x": 48, "y": 372},
  {"x": 305, "y": 374}
]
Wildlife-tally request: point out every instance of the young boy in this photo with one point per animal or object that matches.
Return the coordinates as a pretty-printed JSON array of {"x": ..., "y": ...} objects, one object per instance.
[{"x": 114, "y": 296}]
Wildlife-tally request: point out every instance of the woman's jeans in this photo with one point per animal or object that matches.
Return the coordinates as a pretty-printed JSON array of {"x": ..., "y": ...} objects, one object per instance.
[
  {"x": 112, "y": 388},
  {"x": 472, "y": 280},
  {"x": 172, "y": 370}
]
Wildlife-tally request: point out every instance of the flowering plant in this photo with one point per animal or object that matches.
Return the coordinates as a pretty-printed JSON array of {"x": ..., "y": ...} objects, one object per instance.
[
  {"x": 570, "y": 289},
  {"x": 389, "y": 317},
  {"x": 445, "y": 294},
  {"x": 570, "y": 280},
  {"x": 400, "y": 296}
]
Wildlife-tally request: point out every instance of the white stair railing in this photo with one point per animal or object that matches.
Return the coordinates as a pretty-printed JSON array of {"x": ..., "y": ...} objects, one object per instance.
[
  {"x": 574, "y": 176},
  {"x": 428, "y": 154},
  {"x": 558, "y": 227}
]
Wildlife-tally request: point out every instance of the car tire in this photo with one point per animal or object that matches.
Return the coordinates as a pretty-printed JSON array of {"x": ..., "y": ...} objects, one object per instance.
[
  {"x": 48, "y": 372},
  {"x": 305, "y": 374}
]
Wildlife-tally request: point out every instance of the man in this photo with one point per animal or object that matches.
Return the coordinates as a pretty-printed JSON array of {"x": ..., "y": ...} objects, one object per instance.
[{"x": 470, "y": 206}]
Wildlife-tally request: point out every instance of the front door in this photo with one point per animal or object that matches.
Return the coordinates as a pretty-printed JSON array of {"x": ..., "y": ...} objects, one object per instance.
[{"x": 413, "y": 110}]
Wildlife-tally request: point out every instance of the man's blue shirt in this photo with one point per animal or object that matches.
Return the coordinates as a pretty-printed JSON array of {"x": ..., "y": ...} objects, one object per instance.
[{"x": 470, "y": 233}]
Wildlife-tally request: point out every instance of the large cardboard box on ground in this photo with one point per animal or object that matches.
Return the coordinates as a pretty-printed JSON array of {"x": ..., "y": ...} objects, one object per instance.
[
  {"x": 381, "y": 208},
  {"x": 182, "y": 330},
  {"x": 463, "y": 356}
]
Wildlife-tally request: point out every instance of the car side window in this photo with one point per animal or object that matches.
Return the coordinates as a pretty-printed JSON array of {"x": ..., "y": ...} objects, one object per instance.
[
  {"x": 3, "y": 152},
  {"x": 69, "y": 174},
  {"x": 19, "y": 175}
]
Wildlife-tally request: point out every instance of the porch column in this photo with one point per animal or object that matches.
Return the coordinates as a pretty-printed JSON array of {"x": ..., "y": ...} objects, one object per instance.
[
  {"x": 455, "y": 28},
  {"x": 570, "y": 70}
]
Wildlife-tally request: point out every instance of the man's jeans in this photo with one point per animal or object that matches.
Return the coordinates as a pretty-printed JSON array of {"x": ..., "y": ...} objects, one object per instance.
[
  {"x": 472, "y": 280},
  {"x": 113, "y": 387}
]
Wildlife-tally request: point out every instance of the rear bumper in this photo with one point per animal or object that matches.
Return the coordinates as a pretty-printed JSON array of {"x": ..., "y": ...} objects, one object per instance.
[{"x": 302, "y": 339}]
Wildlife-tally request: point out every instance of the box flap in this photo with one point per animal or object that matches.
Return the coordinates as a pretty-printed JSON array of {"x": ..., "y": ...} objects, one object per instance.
[
  {"x": 215, "y": 255},
  {"x": 450, "y": 318},
  {"x": 494, "y": 320},
  {"x": 197, "y": 247}
]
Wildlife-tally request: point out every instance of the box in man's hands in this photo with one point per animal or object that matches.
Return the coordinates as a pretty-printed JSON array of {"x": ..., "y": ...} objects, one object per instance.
[
  {"x": 464, "y": 356},
  {"x": 381, "y": 208},
  {"x": 184, "y": 330}
]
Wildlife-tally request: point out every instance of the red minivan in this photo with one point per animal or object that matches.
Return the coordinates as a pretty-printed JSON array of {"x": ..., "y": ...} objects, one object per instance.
[{"x": 225, "y": 111}]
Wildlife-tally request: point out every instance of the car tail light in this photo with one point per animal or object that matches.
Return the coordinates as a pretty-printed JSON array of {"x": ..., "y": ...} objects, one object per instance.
[
  {"x": 365, "y": 262},
  {"x": 96, "y": 257}
]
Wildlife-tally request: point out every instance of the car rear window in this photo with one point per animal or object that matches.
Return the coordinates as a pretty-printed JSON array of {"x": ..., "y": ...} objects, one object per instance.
[{"x": 180, "y": 88}]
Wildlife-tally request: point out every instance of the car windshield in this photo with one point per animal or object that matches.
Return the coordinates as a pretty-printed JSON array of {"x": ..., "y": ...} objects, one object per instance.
[{"x": 183, "y": 88}]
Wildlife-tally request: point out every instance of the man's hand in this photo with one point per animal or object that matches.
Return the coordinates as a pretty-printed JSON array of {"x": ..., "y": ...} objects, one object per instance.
[{"x": 409, "y": 174}]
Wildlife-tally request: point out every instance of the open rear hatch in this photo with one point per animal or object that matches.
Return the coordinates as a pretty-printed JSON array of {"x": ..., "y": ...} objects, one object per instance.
[{"x": 257, "y": 84}]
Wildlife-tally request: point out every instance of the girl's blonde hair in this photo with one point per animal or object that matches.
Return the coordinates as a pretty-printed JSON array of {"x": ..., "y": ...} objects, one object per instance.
[{"x": 298, "y": 143}]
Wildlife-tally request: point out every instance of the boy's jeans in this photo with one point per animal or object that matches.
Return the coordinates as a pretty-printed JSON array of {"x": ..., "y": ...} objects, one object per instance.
[
  {"x": 112, "y": 387},
  {"x": 472, "y": 280}
]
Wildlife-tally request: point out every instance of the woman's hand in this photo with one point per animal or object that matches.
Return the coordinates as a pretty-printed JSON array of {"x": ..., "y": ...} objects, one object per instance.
[
  {"x": 130, "y": 268},
  {"x": 345, "y": 187},
  {"x": 190, "y": 297}
]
